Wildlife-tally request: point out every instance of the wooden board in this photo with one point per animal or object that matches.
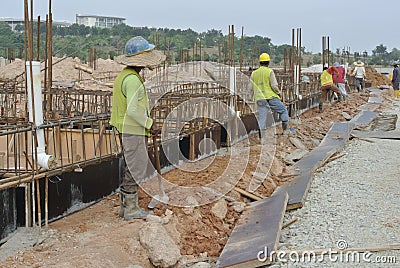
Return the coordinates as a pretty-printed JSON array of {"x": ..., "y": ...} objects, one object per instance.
[
  {"x": 258, "y": 228},
  {"x": 334, "y": 141},
  {"x": 375, "y": 100},
  {"x": 364, "y": 118},
  {"x": 390, "y": 135},
  {"x": 369, "y": 106}
]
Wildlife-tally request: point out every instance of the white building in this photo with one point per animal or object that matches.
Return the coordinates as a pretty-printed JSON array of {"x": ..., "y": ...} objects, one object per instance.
[
  {"x": 14, "y": 22},
  {"x": 98, "y": 21}
]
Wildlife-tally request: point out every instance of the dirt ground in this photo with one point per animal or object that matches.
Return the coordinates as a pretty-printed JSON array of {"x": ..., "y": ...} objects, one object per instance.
[{"x": 97, "y": 237}]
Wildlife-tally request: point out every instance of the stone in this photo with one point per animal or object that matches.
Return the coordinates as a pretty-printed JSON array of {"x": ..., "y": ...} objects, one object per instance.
[
  {"x": 154, "y": 218},
  {"x": 220, "y": 208},
  {"x": 238, "y": 206},
  {"x": 297, "y": 143},
  {"x": 201, "y": 265},
  {"x": 296, "y": 155},
  {"x": 161, "y": 248}
]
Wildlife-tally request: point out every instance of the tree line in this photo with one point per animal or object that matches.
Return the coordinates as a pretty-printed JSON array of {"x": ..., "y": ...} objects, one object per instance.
[{"x": 75, "y": 40}]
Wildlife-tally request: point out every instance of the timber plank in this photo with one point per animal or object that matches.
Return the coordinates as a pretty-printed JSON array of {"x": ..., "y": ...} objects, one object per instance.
[
  {"x": 390, "y": 135},
  {"x": 364, "y": 118},
  {"x": 258, "y": 228}
]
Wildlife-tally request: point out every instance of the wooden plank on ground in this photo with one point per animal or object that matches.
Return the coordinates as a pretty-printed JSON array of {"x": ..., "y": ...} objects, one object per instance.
[
  {"x": 297, "y": 190},
  {"x": 375, "y": 100},
  {"x": 364, "y": 118},
  {"x": 390, "y": 135},
  {"x": 259, "y": 228},
  {"x": 369, "y": 106},
  {"x": 334, "y": 141}
]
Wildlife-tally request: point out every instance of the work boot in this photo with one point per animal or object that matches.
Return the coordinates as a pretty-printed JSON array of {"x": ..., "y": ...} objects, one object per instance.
[
  {"x": 285, "y": 125},
  {"x": 121, "y": 205},
  {"x": 320, "y": 108},
  {"x": 131, "y": 208},
  {"x": 285, "y": 128}
]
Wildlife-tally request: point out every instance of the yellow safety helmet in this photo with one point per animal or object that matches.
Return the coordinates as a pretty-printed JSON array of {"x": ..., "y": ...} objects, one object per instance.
[{"x": 264, "y": 57}]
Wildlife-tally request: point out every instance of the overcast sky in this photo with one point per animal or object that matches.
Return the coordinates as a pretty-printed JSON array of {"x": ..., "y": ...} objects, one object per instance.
[{"x": 358, "y": 24}]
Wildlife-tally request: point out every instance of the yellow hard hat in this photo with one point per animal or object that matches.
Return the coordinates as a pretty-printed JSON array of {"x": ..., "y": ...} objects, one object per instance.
[{"x": 264, "y": 57}]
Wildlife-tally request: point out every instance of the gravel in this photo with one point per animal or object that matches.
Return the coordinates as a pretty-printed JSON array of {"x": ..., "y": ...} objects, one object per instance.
[{"x": 353, "y": 201}]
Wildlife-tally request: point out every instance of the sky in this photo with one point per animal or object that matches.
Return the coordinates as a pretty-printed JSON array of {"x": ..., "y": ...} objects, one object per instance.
[{"x": 360, "y": 25}]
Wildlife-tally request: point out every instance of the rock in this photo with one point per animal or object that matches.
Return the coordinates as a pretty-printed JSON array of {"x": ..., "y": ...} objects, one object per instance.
[
  {"x": 168, "y": 212},
  {"x": 297, "y": 143},
  {"x": 346, "y": 116},
  {"x": 161, "y": 248},
  {"x": 238, "y": 206},
  {"x": 188, "y": 210},
  {"x": 134, "y": 266},
  {"x": 154, "y": 218},
  {"x": 296, "y": 155},
  {"x": 201, "y": 265},
  {"x": 220, "y": 209}
]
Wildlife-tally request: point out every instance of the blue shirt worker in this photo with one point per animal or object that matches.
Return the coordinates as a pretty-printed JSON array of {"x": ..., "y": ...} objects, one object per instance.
[{"x": 396, "y": 79}]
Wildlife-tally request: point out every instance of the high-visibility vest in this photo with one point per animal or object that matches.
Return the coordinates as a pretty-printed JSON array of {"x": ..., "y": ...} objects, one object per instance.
[
  {"x": 126, "y": 124},
  {"x": 326, "y": 78},
  {"x": 262, "y": 85}
]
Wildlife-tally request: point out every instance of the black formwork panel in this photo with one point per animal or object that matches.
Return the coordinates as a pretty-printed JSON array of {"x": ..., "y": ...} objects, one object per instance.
[
  {"x": 8, "y": 214},
  {"x": 72, "y": 191}
]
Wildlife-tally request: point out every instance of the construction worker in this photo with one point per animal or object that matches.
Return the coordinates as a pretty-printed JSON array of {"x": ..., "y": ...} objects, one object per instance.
[
  {"x": 396, "y": 79},
  {"x": 130, "y": 115},
  {"x": 267, "y": 95},
  {"x": 359, "y": 73},
  {"x": 327, "y": 85},
  {"x": 338, "y": 79}
]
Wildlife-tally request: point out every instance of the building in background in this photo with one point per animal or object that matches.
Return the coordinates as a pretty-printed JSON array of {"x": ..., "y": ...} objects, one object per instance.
[
  {"x": 98, "y": 21},
  {"x": 14, "y": 22}
]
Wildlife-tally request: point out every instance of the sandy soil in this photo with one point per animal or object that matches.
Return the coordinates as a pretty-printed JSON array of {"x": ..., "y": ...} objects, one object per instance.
[{"x": 97, "y": 237}]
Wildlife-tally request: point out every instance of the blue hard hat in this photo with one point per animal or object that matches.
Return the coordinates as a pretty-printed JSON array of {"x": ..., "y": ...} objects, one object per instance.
[
  {"x": 336, "y": 64},
  {"x": 137, "y": 45},
  {"x": 305, "y": 78}
]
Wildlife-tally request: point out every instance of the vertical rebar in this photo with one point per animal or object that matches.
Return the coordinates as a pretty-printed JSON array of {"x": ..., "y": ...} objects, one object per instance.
[{"x": 38, "y": 40}]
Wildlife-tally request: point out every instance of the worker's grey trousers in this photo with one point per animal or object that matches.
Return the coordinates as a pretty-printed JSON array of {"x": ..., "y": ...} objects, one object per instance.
[
  {"x": 134, "y": 162},
  {"x": 263, "y": 107}
]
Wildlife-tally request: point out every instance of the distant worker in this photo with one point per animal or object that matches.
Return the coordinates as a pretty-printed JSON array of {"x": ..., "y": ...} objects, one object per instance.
[
  {"x": 359, "y": 73},
  {"x": 267, "y": 95},
  {"x": 338, "y": 79},
  {"x": 327, "y": 85},
  {"x": 130, "y": 115},
  {"x": 396, "y": 79}
]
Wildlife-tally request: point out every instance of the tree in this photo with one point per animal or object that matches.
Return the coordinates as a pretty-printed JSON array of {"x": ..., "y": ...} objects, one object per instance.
[{"x": 380, "y": 50}]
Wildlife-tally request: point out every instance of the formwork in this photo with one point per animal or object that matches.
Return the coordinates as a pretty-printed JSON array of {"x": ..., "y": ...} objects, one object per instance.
[{"x": 199, "y": 105}]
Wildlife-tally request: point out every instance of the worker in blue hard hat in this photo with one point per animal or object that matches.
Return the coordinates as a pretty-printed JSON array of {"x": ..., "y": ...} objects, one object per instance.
[
  {"x": 267, "y": 95},
  {"x": 130, "y": 115}
]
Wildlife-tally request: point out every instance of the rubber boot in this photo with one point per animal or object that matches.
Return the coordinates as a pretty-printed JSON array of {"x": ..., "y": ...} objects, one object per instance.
[
  {"x": 285, "y": 128},
  {"x": 320, "y": 108},
  {"x": 131, "y": 207},
  {"x": 284, "y": 125},
  {"x": 396, "y": 94},
  {"x": 121, "y": 205}
]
